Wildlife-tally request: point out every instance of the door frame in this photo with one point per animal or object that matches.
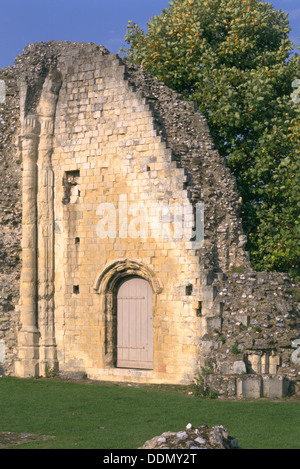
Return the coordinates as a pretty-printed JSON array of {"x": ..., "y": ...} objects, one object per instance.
[
  {"x": 150, "y": 334},
  {"x": 106, "y": 285}
]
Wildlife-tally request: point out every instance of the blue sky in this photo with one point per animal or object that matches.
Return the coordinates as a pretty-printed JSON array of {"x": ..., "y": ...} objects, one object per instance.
[{"x": 99, "y": 21}]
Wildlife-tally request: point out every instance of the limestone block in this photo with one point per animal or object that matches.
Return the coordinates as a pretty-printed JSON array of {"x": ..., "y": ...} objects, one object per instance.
[
  {"x": 239, "y": 367},
  {"x": 265, "y": 364},
  {"x": 274, "y": 362},
  {"x": 2, "y": 351},
  {"x": 28, "y": 338},
  {"x": 26, "y": 368},
  {"x": 207, "y": 308},
  {"x": 209, "y": 324},
  {"x": 275, "y": 386},
  {"x": 29, "y": 354},
  {"x": 255, "y": 361},
  {"x": 249, "y": 386},
  {"x": 211, "y": 308}
]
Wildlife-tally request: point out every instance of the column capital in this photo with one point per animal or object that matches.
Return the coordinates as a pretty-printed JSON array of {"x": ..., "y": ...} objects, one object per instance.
[
  {"x": 30, "y": 127},
  {"x": 47, "y": 126}
]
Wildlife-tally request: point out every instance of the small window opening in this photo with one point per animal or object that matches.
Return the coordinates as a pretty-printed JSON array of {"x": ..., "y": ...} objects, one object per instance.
[
  {"x": 76, "y": 289},
  {"x": 77, "y": 240},
  {"x": 71, "y": 186},
  {"x": 189, "y": 289}
]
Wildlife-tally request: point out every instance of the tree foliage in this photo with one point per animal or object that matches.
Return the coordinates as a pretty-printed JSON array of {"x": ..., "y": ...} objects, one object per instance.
[{"x": 233, "y": 57}]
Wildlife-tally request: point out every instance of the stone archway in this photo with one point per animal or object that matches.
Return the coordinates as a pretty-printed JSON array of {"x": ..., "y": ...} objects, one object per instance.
[{"x": 106, "y": 285}]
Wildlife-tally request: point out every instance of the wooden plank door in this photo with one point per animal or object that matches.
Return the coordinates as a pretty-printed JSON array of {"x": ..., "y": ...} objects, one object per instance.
[{"x": 134, "y": 324}]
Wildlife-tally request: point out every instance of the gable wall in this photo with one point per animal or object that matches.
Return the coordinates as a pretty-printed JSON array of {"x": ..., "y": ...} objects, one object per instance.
[{"x": 105, "y": 130}]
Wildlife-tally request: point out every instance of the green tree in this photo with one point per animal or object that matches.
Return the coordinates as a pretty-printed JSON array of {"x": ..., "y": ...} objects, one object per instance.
[{"x": 233, "y": 57}]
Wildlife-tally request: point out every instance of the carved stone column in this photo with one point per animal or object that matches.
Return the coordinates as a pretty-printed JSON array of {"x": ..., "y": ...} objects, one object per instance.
[
  {"x": 37, "y": 347},
  {"x": 45, "y": 222},
  {"x": 28, "y": 336},
  {"x": 45, "y": 217}
]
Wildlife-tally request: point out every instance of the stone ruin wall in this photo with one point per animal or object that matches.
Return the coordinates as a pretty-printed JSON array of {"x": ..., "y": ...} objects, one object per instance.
[
  {"x": 104, "y": 131},
  {"x": 249, "y": 319},
  {"x": 10, "y": 221},
  {"x": 259, "y": 310}
]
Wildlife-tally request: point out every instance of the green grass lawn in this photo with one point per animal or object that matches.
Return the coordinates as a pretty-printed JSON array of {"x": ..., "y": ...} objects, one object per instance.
[{"x": 94, "y": 416}]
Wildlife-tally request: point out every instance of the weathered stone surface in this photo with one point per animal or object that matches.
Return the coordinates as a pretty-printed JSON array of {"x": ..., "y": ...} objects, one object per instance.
[
  {"x": 73, "y": 376},
  {"x": 2, "y": 352},
  {"x": 191, "y": 438},
  {"x": 249, "y": 387},
  {"x": 10, "y": 217},
  {"x": 239, "y": 367},
  {"x": 275, "y": 386},
  {"x": 8, "y": 439}
]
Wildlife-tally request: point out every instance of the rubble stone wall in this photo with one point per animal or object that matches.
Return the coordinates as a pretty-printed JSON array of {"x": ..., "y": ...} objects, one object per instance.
[{"x": 10, "y": 220}]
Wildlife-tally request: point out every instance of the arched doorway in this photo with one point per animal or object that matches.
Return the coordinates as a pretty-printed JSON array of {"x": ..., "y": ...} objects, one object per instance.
[
  {"x": 134, "y": 324},
  {"x": 107, "y": 283}
]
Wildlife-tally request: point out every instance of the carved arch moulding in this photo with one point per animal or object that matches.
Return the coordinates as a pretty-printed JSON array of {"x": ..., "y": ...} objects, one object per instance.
[{"x": 107, "y": 279}]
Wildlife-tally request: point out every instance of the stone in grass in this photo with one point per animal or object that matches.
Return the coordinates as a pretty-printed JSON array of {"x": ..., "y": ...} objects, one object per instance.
[
  {"x": 194, "y": 438},
  {"x": 13, "y": 439}
]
